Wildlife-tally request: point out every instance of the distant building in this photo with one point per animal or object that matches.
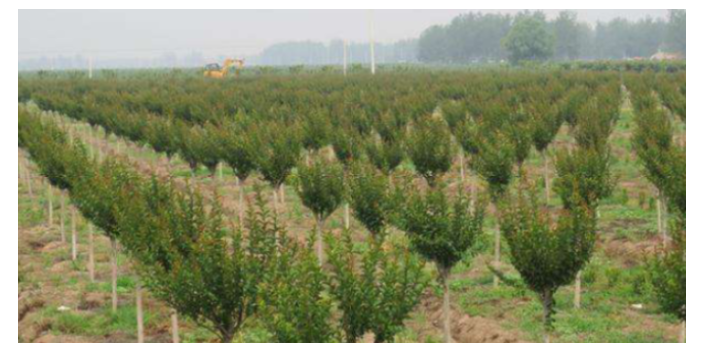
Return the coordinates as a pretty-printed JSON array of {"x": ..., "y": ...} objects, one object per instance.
[{"x": 661, "y": 56}]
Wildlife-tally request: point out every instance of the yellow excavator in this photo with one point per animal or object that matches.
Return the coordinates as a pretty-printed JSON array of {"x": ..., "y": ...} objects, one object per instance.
[{"x": 217, "y": 71}]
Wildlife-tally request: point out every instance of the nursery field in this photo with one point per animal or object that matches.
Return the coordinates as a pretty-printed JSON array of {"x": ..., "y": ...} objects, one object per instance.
[{"x": 502, "y": 205}]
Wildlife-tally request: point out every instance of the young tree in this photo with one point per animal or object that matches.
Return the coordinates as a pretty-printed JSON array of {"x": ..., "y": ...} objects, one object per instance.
[
  {"x": 386, "y": 156},
  {"x": 546, "y": 123},
  {"x": 101, "y": 195},
  {"x": 298, "y": 279},
  {"x": 371, "y": 198},
  {"x": 315, "y": 132},
  {"x": 441, "y": 232},
  {"x": 205, "y": 271},
  {"x": 668, "y": 272},
  {"x": 584, "y": 179},
  {"x": 278, "y": 149},
  {"x": 546, "y": 255},
  {"x": 430, "y": 148},
  {"x": 494, "y": 163},
  {"x": 321, "y": 189},
  {"x": 653, "y": 142},
  {"x": 376, "y": 288},
  {"x": 347, "y": 145},
  {"x": 240, "y": 155}
]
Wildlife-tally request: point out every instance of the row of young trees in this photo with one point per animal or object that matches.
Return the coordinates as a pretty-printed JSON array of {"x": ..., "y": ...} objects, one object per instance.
[
  {"x": 222, "y": 276},
  {"x": 495, "y": 128},
  {"x": 658, "y": 105}
]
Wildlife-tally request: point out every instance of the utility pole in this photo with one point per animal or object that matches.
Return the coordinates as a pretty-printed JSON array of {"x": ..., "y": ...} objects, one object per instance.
[
  {"x": 371, "y": 40},
  {"x": 344, "y": 57},
  {"x": 90, "y": 67}
]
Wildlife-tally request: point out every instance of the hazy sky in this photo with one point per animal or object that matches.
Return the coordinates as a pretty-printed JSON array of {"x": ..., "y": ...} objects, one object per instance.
[{"x": 146, "y": 33}]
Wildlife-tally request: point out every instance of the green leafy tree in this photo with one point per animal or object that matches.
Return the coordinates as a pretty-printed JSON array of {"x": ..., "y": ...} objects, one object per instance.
[
  {"x": 278, "y": 149},
  {"x": 370, "y": 197},
  {"x": 239, "y": 153},
  {"x": 442, "y": 232},
  {"x": 430, "y": 148},
  {"x": 529, "y": 40},
  {"x": 584, "y": 177},
  {"x": 376, "y": 288},
  {"x": 386, "y": 156},
  {"x": 297, "y": 279},
  {"x": 545, "y": 124},
  {"x": 321, "y": 189},
  {"x": 547, "y": 255},
  {"x": 677, "y": 31},
  {"x": 494, "y": 162},
  {"x": 668, "y": 273}
]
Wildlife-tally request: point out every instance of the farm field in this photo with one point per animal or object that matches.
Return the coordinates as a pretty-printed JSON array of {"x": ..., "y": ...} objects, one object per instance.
[{"x": 319, "y": 208}]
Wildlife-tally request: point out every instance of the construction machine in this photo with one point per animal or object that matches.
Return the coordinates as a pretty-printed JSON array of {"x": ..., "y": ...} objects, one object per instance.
[{"x": 217, "y": 71}]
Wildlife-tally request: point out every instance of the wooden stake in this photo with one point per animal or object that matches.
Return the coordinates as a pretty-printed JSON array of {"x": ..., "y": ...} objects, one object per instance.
[
  {"x": 683, "y": 332},
  {"x": 282, "y": 190},
  {"x": 29, "y": 182},
  {"x": 74, "y": 250}
]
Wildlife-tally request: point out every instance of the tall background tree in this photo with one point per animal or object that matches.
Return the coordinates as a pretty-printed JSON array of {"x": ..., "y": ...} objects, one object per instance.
[{"x": 529, "y": 39}]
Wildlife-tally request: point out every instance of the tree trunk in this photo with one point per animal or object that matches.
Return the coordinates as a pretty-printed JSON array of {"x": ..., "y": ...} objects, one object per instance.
[
  {"x": 63, "y": 218},
  {"x": 50, "y": 204},
  {"x": 220, "y": 172},
  {"x": 282, "y": 191},
  {"x": 347, "y": 216},
  {"x": 113, "y": 264},
  {"x": 74, "y": 250},
  {"x": 29, "y": 182},
  {"x": 240, "y": 186},
  {"x": 276, "y": 201},
  {"x": 319, "y": 238},
  {"x": 683, "y": 332},
  {"x": 174, "y": 327},
  {"x": 140, "y": 314},
  {"x": 445, "y": 278},
  {"x": 462, "y": 176},
  {"x": 546, "y": 175},
  {"x": 91, "y": 253},
  {"x": 578, "y": 291},
  {"x": 472, "y": 191},
  {"x": 660, "y": 217},
  {"x": 547, "y": 301},
  {"x": 665, "y": 234},
  {"x": 497, "y": 251}
]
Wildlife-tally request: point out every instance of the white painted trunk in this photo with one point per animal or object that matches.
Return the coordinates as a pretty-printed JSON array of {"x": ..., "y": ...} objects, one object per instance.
[
  {"x": 447, "y": 331},
  {"x": 62, "y": 215},
  {"x": 319, "y": 238},
  {"x": 546, "y": 175},
  {"x": 497, "y": 251},
  {"x": 683, "y": 332},
  {"x": 140, "y": 313},
  {"x": 240, "y": 185},
  {"x": 578, "y": 291},
  {"x": 113, "y": 264},
  {"x": 91, "y": 253},
  {"x": 50, "y": 205},
  {"x": 175, "y": 338},
  {"x": 347, "y": 216}
]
